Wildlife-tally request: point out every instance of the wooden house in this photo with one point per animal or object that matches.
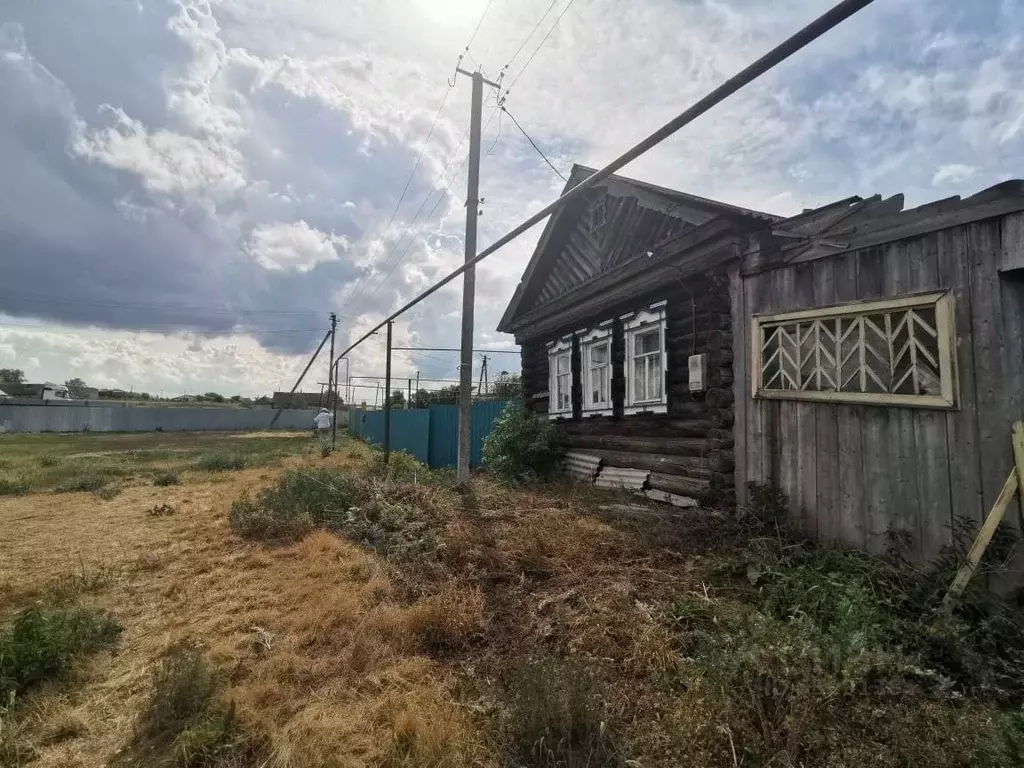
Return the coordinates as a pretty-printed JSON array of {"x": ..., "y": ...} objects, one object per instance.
[{"x": 866, "y": 359}]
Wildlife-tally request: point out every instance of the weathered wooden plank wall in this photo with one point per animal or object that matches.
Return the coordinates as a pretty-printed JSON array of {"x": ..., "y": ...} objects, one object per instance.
[{"x": 880, "y": 477}]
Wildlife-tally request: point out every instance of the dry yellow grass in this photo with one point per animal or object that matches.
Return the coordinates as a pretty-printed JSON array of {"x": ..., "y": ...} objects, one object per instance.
[{"x": 323, "y": 659}]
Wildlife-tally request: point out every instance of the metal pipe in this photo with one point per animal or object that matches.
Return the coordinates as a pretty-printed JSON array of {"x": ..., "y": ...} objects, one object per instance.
[{"x": 773, "y": 58}]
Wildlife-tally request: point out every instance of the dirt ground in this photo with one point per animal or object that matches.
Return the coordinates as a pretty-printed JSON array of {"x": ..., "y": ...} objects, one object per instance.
[
  {"x": 420, "y": 653},
  {"x": 312, "y": 634}
]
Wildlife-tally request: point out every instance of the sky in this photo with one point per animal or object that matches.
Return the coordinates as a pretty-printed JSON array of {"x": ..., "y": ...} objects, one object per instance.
[{"x": 188, "y": 187}]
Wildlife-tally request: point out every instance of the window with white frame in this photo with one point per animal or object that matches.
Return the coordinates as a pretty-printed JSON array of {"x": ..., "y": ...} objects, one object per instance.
[
  {"x": 560, "y": 373},
  {"x": 596, "y": 359},
  {"x": 645, "y": 360},
  {"x": 887, "y": 352}
]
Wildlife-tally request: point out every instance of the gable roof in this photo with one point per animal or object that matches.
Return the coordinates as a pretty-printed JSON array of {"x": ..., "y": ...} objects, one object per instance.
[{"x": 678, "y": 210}]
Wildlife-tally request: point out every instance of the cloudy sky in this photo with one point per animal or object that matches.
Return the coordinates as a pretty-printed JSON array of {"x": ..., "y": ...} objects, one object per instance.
[{"x": 188, "y": 188}]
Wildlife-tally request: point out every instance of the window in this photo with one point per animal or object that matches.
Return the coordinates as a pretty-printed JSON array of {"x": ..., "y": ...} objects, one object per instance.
[
  {"x": 560, "y": 384},
  {"x": 596, "y": 357},
  {"x": 645, "y": 360},
  {"x": 889, "y": 352}
]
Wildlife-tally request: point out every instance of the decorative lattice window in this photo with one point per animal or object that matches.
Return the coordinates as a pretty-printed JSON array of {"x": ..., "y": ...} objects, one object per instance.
[{"x": 889, "y": 352}]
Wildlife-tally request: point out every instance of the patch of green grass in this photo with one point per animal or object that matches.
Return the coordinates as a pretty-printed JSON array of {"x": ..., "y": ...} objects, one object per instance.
[
  {"x": 42, "y": 644},
  {"x": 166, "y": 477},
  {"x": 222, "y": 461},
  {"x": 185, "y": 724},
  {"x": 66, "y": 588},
  {"x": 555, "y": 717},
  {"x": 300, "y": 501},
  {"x": 13, "y": 488},
  {"x": 812, "y": 655},
  {"x": 92, "y": 481}
]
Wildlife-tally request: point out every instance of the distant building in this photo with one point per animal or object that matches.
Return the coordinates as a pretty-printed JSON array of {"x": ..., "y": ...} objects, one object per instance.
[
  {"x": 45, "y": 391},
  {"x": 298, "y": 400}
]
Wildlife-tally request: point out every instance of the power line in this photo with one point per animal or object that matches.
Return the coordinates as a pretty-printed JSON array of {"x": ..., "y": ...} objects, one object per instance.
[
  {"x": 455, "y": 349},
  {"x": 527, "y": 38},
  {"x": 534, "y": 144},
  {"x": 827, "y": 21},
  {"x": 537, "y": 49},
  {"x": 451, "y": 84},
  {"x": 423, "y": 224},
  {"x": 408, "y": 182}
]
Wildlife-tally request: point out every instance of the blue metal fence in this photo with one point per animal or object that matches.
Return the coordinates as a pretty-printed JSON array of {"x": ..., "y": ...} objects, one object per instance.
[{"x": 430, "y": 434}]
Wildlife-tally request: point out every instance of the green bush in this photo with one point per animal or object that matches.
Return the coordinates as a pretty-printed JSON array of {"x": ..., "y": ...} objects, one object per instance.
[
  {"x": 86, "y": 482},
  {"x": 166, "y": 477},
  {"x": 185, "y": 725},
  {"x": 222, "y": 461},
  {"x": 401, "y": 467},
  {"x": 41, "y": 645},
  {"x": 109, "y": 491},
  {"x": 522, "y": 447},
  {"x": 13, "y": 488},
  {"x": 300, "y": 501}
]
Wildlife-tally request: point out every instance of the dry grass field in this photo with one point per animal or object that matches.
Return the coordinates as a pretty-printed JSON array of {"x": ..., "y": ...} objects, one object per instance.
[{"x": 401, "y": 621}]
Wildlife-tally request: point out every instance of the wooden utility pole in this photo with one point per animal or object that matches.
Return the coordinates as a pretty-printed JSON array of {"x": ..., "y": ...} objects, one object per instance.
[
  {"x": 408, "y": 393},
  {"x": 387, "y": 400},
  {"x": 332, "y": 383},
  {"x": 469, "y": 281}
]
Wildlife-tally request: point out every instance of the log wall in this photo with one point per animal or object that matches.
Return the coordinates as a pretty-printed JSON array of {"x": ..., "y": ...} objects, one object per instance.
[{"x": 689, "y": 449}]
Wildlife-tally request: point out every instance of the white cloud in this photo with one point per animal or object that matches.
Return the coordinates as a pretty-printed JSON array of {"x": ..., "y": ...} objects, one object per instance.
[
  {"x": 954, "y": 173},
  {"x": 293, "y": 246},
  {"x": 167, "y": 162}
]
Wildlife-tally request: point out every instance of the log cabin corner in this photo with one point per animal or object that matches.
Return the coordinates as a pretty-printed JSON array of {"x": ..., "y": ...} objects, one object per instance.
[{"x": 866, "y": 359}]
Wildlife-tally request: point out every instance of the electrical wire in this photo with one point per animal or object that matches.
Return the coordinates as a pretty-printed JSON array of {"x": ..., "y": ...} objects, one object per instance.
[
  {"x": 781, "y": 52},
  {"x": 427, "y": 218},
  {"x": 408, "y": 182},
  {"x": 537, "y": 49},
  {"x": 250, "y": 332},
  {"x": 533, "y": 144},
  {"x": 527, "y": 38}
]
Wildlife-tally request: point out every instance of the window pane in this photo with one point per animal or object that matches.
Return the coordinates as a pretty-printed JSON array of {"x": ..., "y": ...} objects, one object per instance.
[
  {"x": 598, "y": 385},
  {"x": 599, "y": 354},
  {"x": 654, "y": 377},
  {"x": 562, "y": 361},
  {"x": 648, "y": 341},
  {"x": 639, "y": 382}
]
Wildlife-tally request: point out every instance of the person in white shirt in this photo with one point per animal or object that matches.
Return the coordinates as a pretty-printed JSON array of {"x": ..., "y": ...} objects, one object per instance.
[{"x": 322, "y": 421}]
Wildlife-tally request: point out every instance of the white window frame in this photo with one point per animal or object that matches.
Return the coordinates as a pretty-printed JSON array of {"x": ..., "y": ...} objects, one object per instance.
[
  {"x": 601, "y": 335},
  {"x": 563, "y": 347},
  {"x": 634, "y": 324},
  {"x": 944, "y": 333}
]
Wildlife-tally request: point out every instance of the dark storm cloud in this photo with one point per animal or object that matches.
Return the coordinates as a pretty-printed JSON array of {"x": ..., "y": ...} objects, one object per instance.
[{"x": 84, "y": 243}]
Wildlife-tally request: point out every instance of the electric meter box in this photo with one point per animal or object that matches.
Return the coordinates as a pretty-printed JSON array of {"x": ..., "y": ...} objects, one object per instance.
[{"x": 698, "y": 372}]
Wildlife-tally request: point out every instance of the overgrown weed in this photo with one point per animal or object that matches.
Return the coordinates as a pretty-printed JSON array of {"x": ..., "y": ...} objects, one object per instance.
[
  {"x": 222, "y": 461},
  {"x": 185, "y": 724},
  {"x": 166, "y": 477},
  {"x": 42, "y": 644}
]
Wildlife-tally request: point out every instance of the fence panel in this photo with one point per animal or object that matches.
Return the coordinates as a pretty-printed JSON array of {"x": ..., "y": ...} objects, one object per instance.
[
  {"x": 117, "y": 418},
  {"x": 485, "y": 413},
  {"x": 444, "y": 436}
]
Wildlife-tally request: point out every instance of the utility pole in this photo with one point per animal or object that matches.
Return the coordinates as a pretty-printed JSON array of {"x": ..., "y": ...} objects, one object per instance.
[
  {"x": 469, "y": 281},
  {"x": 332, "y": 382},
  {"x": 418, "y": 404},
  {"x": 483, "y": 385},
  {"x": 387, "y": 401},
  {"x": 408, "y": 393}
]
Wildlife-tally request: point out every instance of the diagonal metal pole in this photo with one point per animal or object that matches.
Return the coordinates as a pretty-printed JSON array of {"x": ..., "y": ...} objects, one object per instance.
[
  {"x": 305, "y": 370},
  {"x": 773, "y": 58}
]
